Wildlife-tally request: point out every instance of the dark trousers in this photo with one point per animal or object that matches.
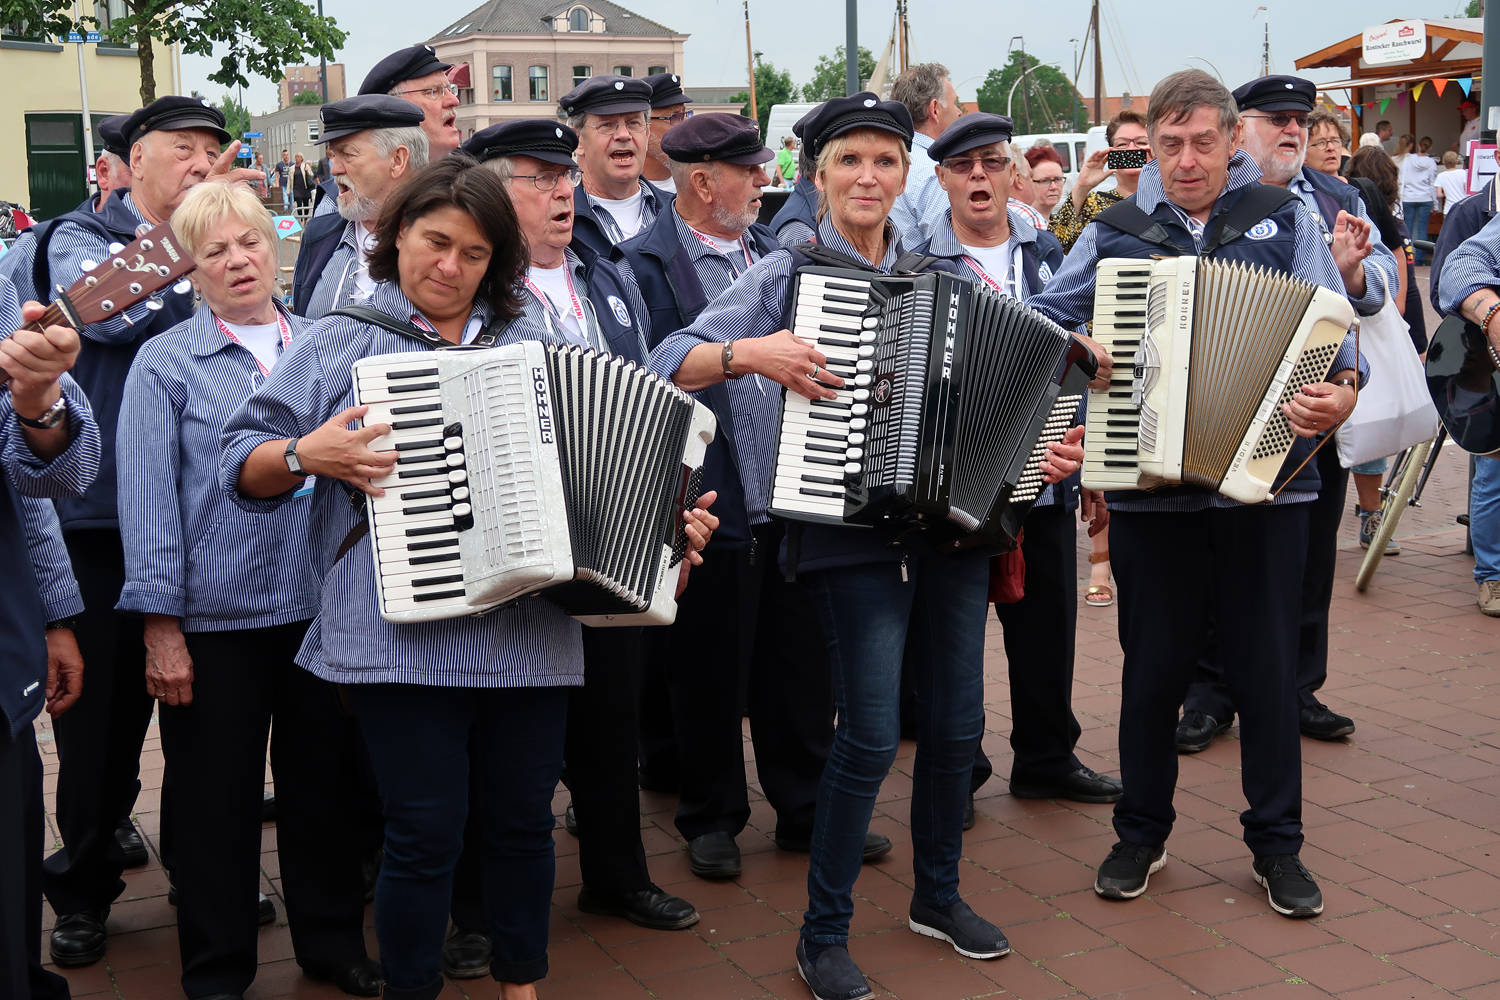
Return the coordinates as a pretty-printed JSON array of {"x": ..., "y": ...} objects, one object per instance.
[
  {"x": 1209, "y": 693},
  {"x": 243, "y": 682},
  {"x": 420, "y": 741},
  {"x": 1241, "y": 568},
  {"x": 98, "y": 739},
  {"x": 21, "y": 827}
]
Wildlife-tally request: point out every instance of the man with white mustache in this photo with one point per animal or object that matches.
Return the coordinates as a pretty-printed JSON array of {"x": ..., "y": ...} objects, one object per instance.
[{"x": 374, "y": 143}]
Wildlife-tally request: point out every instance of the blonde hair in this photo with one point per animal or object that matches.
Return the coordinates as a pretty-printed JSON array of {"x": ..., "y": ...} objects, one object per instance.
[
  {"x": 1450, "y": 159},
  {"x": 838, "y": 145},
  {"x": 209, "y": 204}
]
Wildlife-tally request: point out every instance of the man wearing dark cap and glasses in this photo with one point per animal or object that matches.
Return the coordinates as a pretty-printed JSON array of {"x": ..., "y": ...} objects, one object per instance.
[
  {"x": 174, "y": 144},
  {"x": 416, "y": 74},
  {"x": 669, "y": 107},
  {"x": 374, "y": 143},
  {"x": 865, "y": 590},
  {"x": 691, "y": 729},
  {"x": 611, "y": 114}
]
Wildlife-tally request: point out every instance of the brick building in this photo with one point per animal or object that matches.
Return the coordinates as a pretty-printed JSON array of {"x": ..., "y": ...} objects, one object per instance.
[{"x": 302, "y": 78}]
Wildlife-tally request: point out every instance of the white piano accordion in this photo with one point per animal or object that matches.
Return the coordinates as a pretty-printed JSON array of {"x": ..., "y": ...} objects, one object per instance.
[
  {"x": 530, "y": 469},
  {"x": 1206, "y": 352}
]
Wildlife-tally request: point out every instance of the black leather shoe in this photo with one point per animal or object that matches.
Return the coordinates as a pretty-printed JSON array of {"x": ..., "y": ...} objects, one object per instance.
[
  {"x": 570, "y": 821},
  {"x": 969, "y": 817},
  {"x": 1197, "y": 730},
  {"x": 268, "y": 809},
  {"x": 971, "y": 935},
  {"x": 834, "y": 976},
  {"x": 877, "y": 845},
  {"x": 653, "y": 907},
  {"x": 266, "y": 911},
  {"x": 466, "y": 954},
  {"x": 1083, "y": 785},
  {"x": 714, "y": 855},
  {"x": 78, "y": 939},
  {"x": 129, "y": 839},
  {"x": 1321, "y": 723},
  {"x": 361, "y": 977}
]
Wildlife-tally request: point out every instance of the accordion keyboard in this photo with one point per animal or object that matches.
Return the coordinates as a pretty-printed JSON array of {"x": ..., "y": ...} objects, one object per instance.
[
  {"x": 823, "y": 441},
  {"x": 1112, "y": 433}
]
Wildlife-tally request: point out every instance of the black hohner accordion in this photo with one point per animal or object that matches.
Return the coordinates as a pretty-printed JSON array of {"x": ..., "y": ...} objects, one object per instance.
[
  {"x": 951, "y": 394},
  {"x": 530, "y": 469},
  {"x": 1206, "y": 352}
]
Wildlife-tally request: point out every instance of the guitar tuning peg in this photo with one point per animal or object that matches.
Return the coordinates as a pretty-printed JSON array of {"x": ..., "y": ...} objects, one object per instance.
[
  {"x": 183, "y": 287},
  {"x": 154, "y": 303},
  {"x": 116, "y": 247},
  {"x": 89, "y": 265}
]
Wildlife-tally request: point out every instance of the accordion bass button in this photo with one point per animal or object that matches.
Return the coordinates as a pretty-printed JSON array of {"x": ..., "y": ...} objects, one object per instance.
[
  {"x": 458, "y": 476},
  {"x": 455, "y": 459},
  {"x": 856, "y": 439},
  {"x": 870, "y": 322},
  {"x": 863, "y": 380},
  {"x": 853, "y": 453},
  {"x": 852, "y": 469},
  {"x": 453, "y": 443},
  {"x": 866, "y": 351},
  {"x": 462, "y": 510},
  {"x": 861, "y": 394},
  {"x": 864, "y": 366},
  {"x": 868, "y": 337},
  {"x": 857, "y": 424},
  {"x": 860, "y": 409}
]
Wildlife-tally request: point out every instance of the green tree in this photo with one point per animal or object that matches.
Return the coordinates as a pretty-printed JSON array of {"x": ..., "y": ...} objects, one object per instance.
[
  {"x": 1044, "y": 103},
  {"x": 308, "y": 97},
  {"x": 236, "y": 118},
  {"x": 772, "y": 86},
  {"x": 828, "y": 74},
  {"x": 1474, "y": 9}
]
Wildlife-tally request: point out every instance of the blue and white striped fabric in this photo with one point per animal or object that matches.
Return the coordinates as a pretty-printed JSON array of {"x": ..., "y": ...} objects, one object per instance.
[
  {"x": 918, "y": 208},
  {"x": 1069, "y": 299},
  {"x": 17, "y": 264},
  {"x": 49, "y": 558},
  {"x": 795, "y": 232},
  {"x": 70, "y": 473},
  {"x": 753, "y": 307},
  {"x": 70, "y": 248},
  {"x": 531, "y": 644},
  {"x": 189, "y": 551},
  {"x": 1474, "y": 265},
  {"x": 336, "y": 285},
  {"x": 1381, "y": 260}
]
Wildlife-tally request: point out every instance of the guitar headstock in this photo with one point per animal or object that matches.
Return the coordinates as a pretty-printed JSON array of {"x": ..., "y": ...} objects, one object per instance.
[{"x": 128, "y": 276}]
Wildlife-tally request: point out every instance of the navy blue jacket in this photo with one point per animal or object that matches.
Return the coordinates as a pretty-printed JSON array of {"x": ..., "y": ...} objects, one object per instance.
[
  {"x": 320, "y": 238},
  {"x": 611, "y": 298},
  {"x": 801, "y": 205},
  {"x": 586, "y": 228}
]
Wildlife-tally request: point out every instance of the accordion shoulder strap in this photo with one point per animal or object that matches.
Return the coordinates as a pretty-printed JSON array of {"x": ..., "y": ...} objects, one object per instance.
[
  {"x": 829, "y": 258},
  {"x": 1258, "y": 202},
  {"x": 1127, "y": 217},
  {"x": 386, "y": 322}
]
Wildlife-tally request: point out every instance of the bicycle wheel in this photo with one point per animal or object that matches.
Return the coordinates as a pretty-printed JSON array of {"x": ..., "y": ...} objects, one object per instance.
[{"x": 1391, "y": 509}]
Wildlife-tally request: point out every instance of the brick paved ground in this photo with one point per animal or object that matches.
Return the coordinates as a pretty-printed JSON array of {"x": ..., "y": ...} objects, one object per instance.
[{"x": 1403, "y": 830}]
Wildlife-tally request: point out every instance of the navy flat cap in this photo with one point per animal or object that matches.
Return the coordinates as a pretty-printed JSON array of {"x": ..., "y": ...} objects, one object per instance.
[
  {"x": 407, "y": 64},
  {"x": 357, "y": 114},
  {"x": 1277, "y": 93},
  {"x": 666, "y": 90},
  {"x": 845, "y": 114},
  {"x": 607, "y": 94},
  {"x": 971, "y": 132},
  {"x": 724, "y": 137},
  {"x": 548, "y": 141},
  {"x": 174, "y": 114},
  {"x": 114, "y": 138}
]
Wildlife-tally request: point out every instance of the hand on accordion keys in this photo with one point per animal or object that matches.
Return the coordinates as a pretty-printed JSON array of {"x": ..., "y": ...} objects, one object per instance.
[
  {"x": 1317, "y": 408},
  {"x": 784, "y": 358},
  {"x": 1100, "y": 381},
  {"x": 699, "y": 526},
  {"x": 335, "y": 451},
  {"x": 1063, "y": 457}
]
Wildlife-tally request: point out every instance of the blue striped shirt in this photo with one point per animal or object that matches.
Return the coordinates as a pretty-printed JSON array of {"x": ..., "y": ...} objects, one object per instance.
[
  {"x": 753, "y": 306},
  {"x": 795, "y": 232},
  {"x": 338, "y": 284},
  {"x": 918, "y": 208},
  {"x": 1069, "y": 298},
  {"x": 189, "y": 551},
  {"x": 49, "y": 558},
  {"x": 70, "y": 248},
  {"x": 1474, "y": 265},
  {"x": 530, "y": 644},
  {"x": 17, "y": 265}
]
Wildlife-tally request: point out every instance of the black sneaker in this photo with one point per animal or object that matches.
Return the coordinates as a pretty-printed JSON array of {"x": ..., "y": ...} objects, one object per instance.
[
  {"x": 834, "y": 976},
  {"x": 1197, "y": 730},
  {"x": 1292, "y": 891},
  {"x": 971, "y": 935},
  {"x": 1127, "y": 869},
  {"x": 1322, "y": 723}
]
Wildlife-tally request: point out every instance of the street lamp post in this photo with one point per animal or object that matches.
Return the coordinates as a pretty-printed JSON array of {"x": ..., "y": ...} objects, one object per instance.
[
  {"x": 851, "y": 47},
  {"x": 323, "y": 63}
]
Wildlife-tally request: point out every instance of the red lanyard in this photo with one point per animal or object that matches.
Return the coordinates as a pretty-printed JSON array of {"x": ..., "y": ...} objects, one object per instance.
[
  {"x": 286, "y": 340},
  {"x": 985, "y": 276},
  {"x": 583, "y": 324},
  {"x": 710, "y": 244}
]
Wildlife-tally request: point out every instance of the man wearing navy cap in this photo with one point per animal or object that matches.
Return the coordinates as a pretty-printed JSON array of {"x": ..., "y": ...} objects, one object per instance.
[
  {"x": 669, "y": 107},
  {"x": 691, "y": 728},
  {"x": 1274, "y": 110},
  {"x": 173, "y": 145},
  {"x": 611, "y": 115},
  {"x": 417, "y": 75},
  {"x": 374, "y": 143},
  {"x": 110, "y": 170}
]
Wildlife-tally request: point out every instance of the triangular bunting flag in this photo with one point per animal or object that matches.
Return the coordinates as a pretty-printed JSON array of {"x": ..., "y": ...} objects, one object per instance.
[
  {"x": 1416, "y": 92},
  {"x": 1385, "y": 102},
  {"x": 1438, "y": 83},
  {"x": 1466, "y": 82},
  {"x": 1401, "y": 99}
]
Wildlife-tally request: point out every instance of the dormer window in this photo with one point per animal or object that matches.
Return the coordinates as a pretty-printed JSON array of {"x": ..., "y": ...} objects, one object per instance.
[{"x": 578, "y": 19}]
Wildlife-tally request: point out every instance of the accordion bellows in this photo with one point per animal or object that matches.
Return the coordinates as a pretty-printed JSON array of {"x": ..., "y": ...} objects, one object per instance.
[
  {"x": 1206, "y": 352},
  {"x": 530, "y": 469}
]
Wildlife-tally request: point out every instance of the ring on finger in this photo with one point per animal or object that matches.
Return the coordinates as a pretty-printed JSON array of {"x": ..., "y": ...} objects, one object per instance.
[{"x": 814, "y": 375}]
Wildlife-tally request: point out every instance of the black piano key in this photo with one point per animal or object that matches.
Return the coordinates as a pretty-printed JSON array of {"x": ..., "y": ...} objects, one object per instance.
[
  {"x": 820, "y": 493},
  {"x": 830, "y": 448},
  {"x": 1121, "y": 451},
  {"x": 829, "y": 416},
  {"x": 425, "y": 560},
  {"x": 417, "y": 408},
  {"x": 404, "y": 425},
  {"x": 426, "y": 494},
  {"x": 431, "y": 508},
  {"x": 441, "y": 543},
  {"x": 414, "y": 387},
  {"x": 1121, "y": 465},
  {"x": 844, "y": 287},
  {"x": 831, "y": 404},
  {"x": 836, "y": 328},
  {"x": 417, "y": 445},
  {"x": 827, "y": 436},
  {"x": 414, "y": 373},
  {"x": 815, "y": 460},
  {"x": 431, "y": 529},
  {"x": 433, "y": 581},
  {"x": 838, "y": 342},
  {"x": 438, "y": 596},
  {"x": 438, "y": 459},
  {"x": 832, "y": 311}
]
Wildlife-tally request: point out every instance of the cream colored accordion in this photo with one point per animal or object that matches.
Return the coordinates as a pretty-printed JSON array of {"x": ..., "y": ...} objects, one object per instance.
[{"x": 1206, "y": 352}]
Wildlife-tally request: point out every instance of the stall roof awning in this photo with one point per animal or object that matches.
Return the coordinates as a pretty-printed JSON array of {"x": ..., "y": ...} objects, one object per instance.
[{"x": 1375, "y": 81}]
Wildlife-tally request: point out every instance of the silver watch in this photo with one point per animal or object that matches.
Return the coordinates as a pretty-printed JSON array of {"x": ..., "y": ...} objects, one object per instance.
[
  {"x": 50, "y": 418},
  {"x": 293, "y": 463}
]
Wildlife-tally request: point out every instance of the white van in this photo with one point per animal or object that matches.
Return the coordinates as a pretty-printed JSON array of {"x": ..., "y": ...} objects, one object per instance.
[{"x": 779, "y": 125}]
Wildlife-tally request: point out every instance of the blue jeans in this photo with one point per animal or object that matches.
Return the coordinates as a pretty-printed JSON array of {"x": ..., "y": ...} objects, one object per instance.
[
  {"x": 286, "y": 198},
  {"x": 419, "y": 740},
  {"x": 865, "y": 612},
  {"x": 1416, "y": 213},
  {"x": 1484, "y": 518}
]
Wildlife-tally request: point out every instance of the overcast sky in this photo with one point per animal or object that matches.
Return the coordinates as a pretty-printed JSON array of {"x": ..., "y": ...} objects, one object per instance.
[{"x": 1143, "y": 39}]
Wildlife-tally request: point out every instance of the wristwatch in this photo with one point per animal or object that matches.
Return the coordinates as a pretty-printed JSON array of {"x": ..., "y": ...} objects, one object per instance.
[
  {"x": 726, "y": 359},
  {"x": 70, "y": 623},
  {"x": 50, "y": 418},
  {"x": 293, "y": 463}
]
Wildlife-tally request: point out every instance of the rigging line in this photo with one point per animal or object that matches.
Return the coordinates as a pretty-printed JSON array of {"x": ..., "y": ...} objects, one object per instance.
[{"x": 1116, "y": 37}]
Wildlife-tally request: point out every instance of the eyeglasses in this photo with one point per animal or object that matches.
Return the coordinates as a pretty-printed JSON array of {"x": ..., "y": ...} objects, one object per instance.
[
  {"x": 1327, "y": 143},
  {"x": 965, "y": 165},
  {"x": 1281, "y": 118},
  {"x": 1046, "y": 181},
  {"x": 1144, "y": 142},
  {"x": 547, "y": 179},
  {"x": 675, "y": 119},
  {"x": 432, "y": 93},
  {"x": 636, "y": 127}
]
